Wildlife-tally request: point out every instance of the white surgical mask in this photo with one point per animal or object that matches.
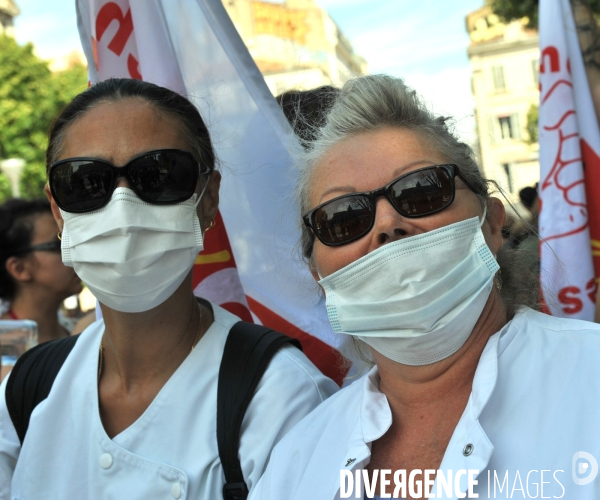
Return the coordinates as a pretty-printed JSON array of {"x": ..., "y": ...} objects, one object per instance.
[
  {"x": 131, "y": 254},
  {"x": 415, "y": 300}
]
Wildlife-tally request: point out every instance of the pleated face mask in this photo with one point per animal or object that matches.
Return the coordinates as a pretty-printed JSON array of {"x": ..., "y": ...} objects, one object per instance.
[
  {"x": 131, "y": 254},
  {"x": 415, "y": 300}
]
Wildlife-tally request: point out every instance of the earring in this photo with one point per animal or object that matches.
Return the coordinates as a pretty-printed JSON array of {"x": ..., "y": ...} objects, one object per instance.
[
  {"x": 211, "y": 225},
  {"x": 499, "y": 280},
  {"x": 59, "y": 235}
]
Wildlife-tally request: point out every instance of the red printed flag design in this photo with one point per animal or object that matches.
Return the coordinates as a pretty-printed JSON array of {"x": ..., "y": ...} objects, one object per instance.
[{"x": 569, "y": 180}]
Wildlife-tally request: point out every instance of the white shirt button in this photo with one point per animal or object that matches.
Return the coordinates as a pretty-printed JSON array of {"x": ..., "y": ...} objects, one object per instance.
[
  {"x": 176, "y": 490},
  {"x": 106, "y": 460}
]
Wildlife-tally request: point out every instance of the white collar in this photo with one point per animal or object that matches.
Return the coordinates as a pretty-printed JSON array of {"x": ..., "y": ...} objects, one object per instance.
[{"x": 375, "y": 415}]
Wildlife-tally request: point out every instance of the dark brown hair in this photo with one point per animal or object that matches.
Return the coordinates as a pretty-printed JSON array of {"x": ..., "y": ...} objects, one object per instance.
[
  {"x": 119, "y": 89},
  {"x": 306, "y": 110}
]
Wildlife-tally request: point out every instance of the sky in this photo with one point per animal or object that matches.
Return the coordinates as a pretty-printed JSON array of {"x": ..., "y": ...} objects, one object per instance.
[{"x": 424, "y": 41}]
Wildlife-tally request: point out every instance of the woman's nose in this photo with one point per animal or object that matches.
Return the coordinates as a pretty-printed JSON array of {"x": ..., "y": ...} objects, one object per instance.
[
  {"x": 122, "y": 183},
  {"x": 389, "y": 225}
]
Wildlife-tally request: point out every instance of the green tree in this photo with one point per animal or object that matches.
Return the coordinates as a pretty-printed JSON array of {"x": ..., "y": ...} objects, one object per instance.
[
  {"x": 5, "y": 190},
  {"x": 509, "y": 10},
  {"x": 532, "y": 124},
  {"x": 33, "y": 180},
  {"x": 30, "y": 98}
]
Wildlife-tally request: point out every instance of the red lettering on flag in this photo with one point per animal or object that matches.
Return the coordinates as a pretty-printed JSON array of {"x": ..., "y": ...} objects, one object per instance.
[
  {"x": 569, "y": 297},
  {"x": 550, "y": 53},
  {"x": 133, "y": 67},
  {"x": 112, "y": 12}
]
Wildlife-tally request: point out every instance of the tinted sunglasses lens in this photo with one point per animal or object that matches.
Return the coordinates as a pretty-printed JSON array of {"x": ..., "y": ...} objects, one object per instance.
[
  {"x": 343, "y": 220},
  {"x": 164, "y": 177},
  {"x": 423, "y": 192},
  {"x": 81, "y": 186}
]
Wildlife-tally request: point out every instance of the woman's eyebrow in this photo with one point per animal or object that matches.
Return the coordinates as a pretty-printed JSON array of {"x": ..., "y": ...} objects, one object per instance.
[
  {"x": 345, "y": 189},
  {"x": 399, "y": 170},
  {"x": 397, "y": 173}
]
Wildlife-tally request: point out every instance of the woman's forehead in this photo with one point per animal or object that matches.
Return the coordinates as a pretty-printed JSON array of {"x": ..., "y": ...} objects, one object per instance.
[{"x": 118, "y": 130}]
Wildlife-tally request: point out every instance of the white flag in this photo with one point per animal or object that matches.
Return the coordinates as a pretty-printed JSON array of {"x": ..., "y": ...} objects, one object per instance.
[
  {"x": 250, "y": 259},
  {"x": 569, "y": 145}
]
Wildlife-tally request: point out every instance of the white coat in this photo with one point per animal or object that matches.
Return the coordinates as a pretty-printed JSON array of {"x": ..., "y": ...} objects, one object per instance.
[
  {"x": 535, "y": 403},
  {"x": 170, "y": 452}
]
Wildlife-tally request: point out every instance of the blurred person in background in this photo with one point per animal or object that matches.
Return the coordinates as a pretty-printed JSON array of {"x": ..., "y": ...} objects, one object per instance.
[
  {"x": 529, "y": 198},
  {"x": 525, "y": 230},
  {"x": 33, "y": 280},
  {"x": 524, "y": 235},
  {"x": 305, "y": 110}
]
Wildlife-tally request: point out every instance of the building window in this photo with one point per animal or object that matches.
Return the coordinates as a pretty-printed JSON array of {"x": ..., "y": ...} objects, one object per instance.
[
  {"x": 510, "y": 127},
  {"x": 498, "y": 77},
  {"x": 506, "y": 128}
]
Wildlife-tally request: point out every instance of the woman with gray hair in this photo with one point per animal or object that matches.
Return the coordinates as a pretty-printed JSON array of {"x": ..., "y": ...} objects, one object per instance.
[{"x": 471, "y": 389}]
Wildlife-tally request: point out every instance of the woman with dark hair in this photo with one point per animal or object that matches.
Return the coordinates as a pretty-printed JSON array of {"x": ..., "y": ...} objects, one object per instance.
[
  {"x": 305, "y": 110},
  {"x": 132, "y": 412},
  {"x": 33, "y": 280}
]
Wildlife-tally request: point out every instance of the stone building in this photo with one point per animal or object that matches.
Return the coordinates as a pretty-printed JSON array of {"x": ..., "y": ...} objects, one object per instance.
[
  {"x": 295, "y": 43},
  {"x": 8, "y": 11},
  {"x": 504, "y": 60}
]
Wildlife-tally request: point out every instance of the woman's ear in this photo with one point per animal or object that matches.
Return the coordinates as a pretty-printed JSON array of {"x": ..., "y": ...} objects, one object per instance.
[
  {"x": 210, "y": 199},
  {"x": 496, "y": 216},
  {"x": 54, "y": 207},
  {"x": 19, "y": 269}
]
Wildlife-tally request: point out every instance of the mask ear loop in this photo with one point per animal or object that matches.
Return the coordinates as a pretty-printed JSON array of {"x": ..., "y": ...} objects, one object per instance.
[
  {"x": 202, "y": 192},
  {"x": 483, "y": 216},
  {"x": 198, "y": 203},
  {"x": 498, "y": 277}
]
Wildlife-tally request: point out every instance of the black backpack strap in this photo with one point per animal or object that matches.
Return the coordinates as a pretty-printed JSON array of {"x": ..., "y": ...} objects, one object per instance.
[
  {"x": 31, "y": 379},
  {"x": 248, "y": 350}
]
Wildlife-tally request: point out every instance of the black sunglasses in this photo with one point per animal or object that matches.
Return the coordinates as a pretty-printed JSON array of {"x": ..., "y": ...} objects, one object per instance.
[
  {"x": 49, "y": 246},
  {"x": 416, "y": 194},
  {"x": 161, "y": 177}
]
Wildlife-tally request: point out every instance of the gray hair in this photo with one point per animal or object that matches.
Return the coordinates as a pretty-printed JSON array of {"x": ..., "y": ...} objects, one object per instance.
[{"x": 369, "y": 103}]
